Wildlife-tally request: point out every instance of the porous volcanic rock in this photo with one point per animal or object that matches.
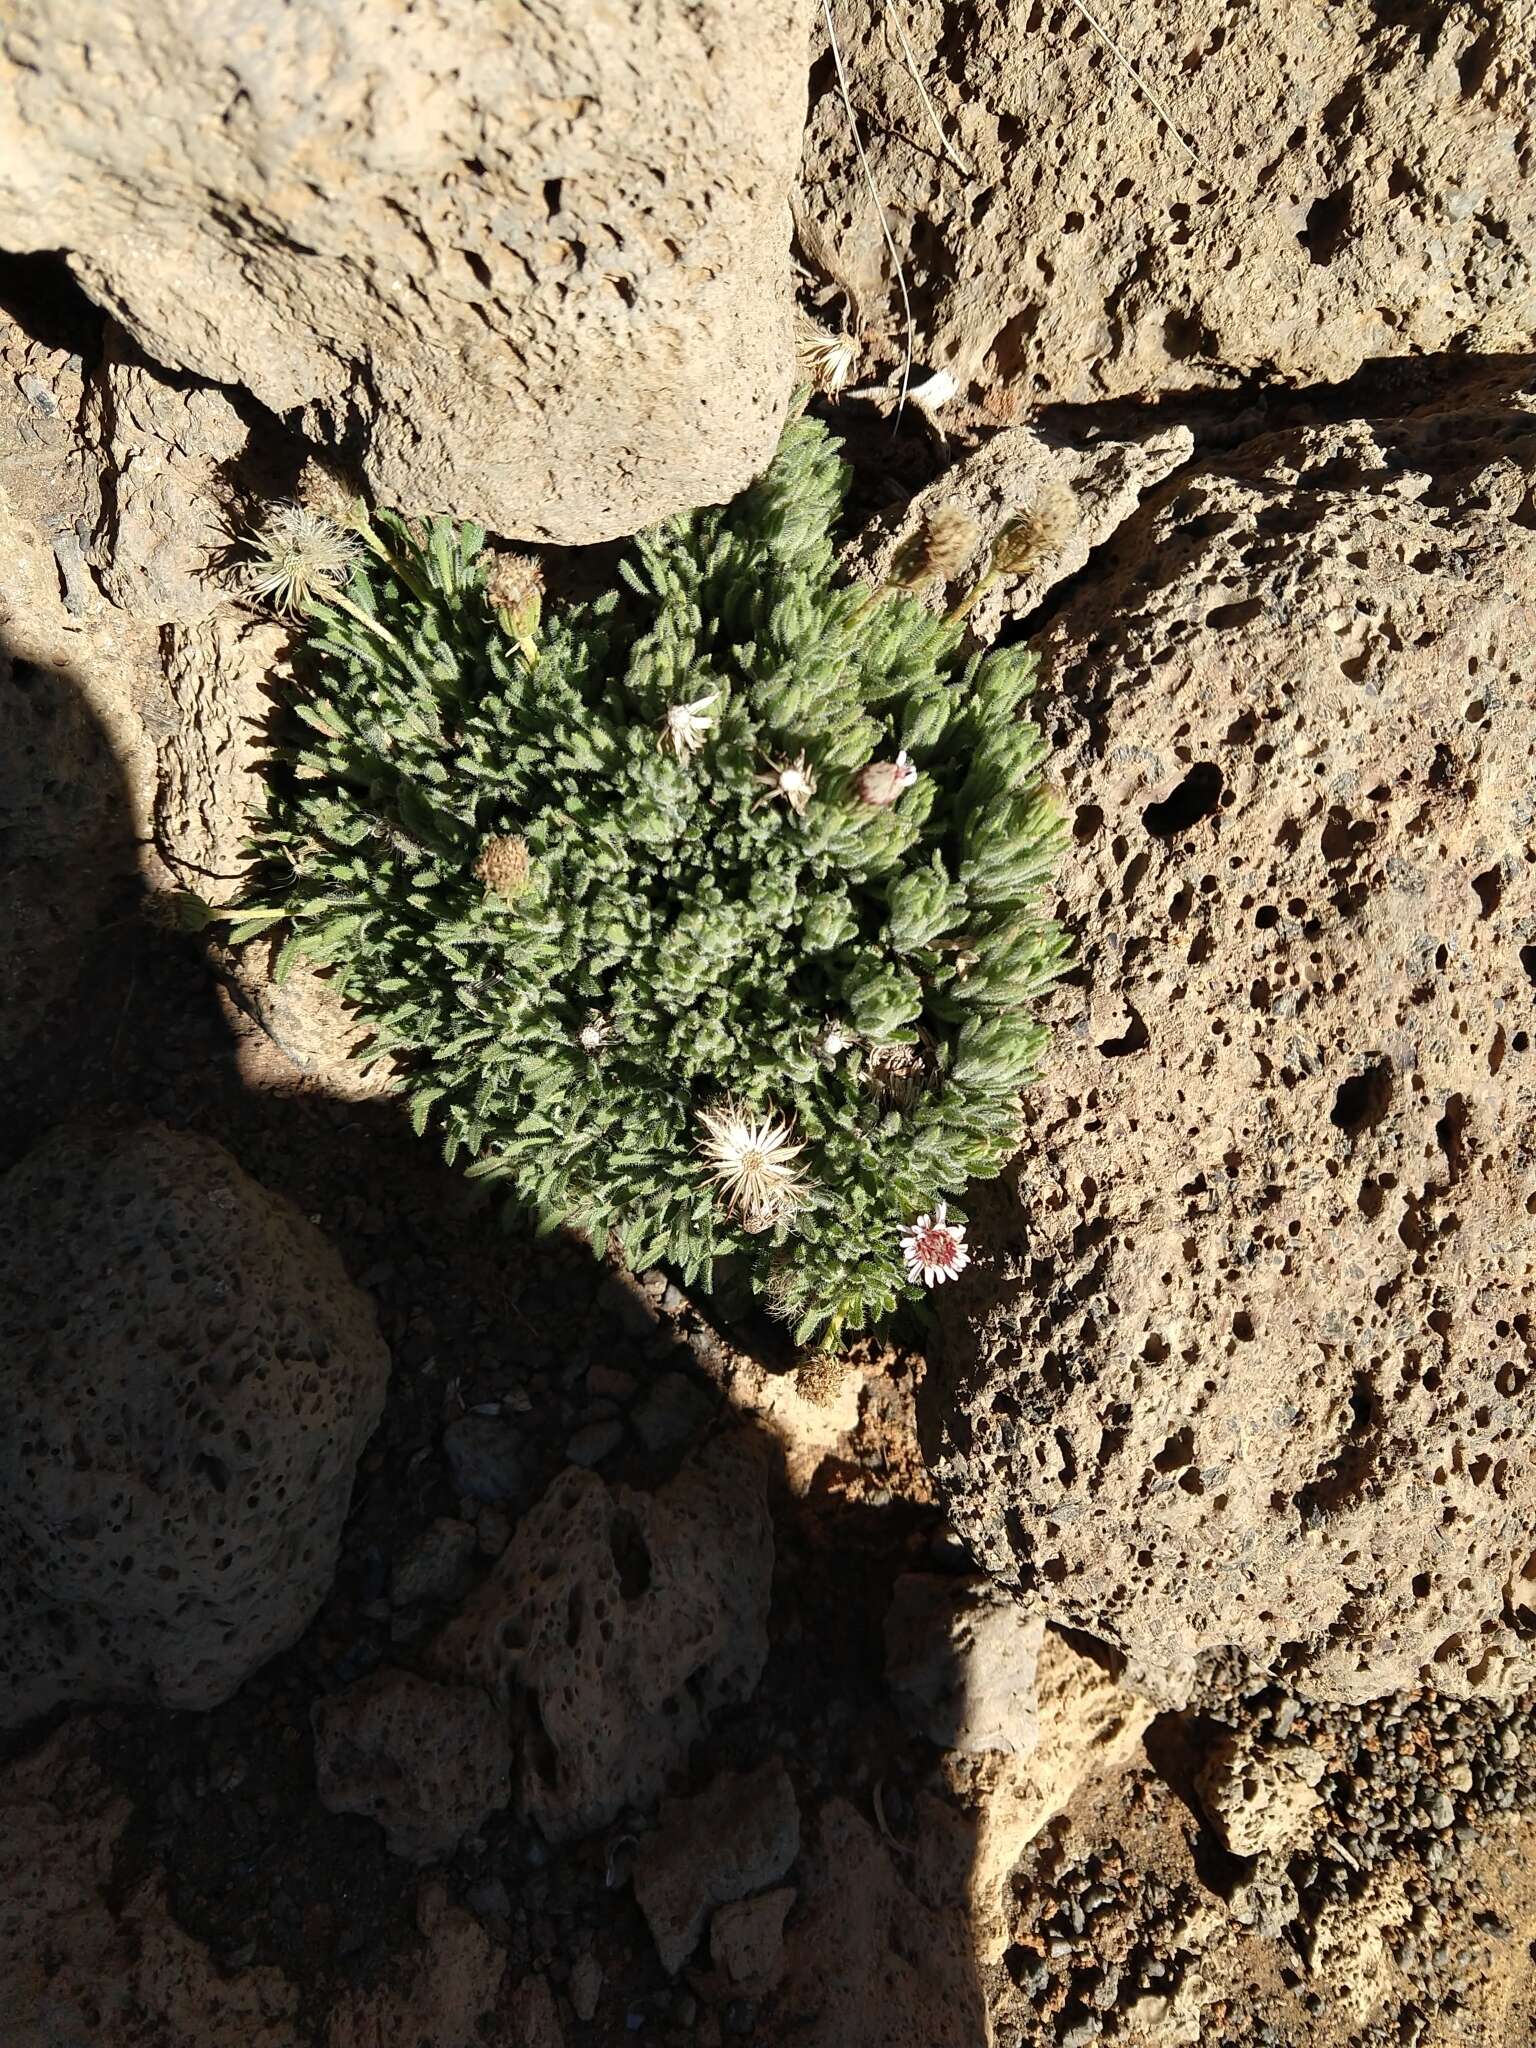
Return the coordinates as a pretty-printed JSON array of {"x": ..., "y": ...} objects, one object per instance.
[
  {"x": 532, "y": 267},
  {"x": 615, "y": 1623},
  {"x": 738, "y": 1835},
  {"x": 79, "y": 1963},
  {"x": 187, "y": 1379},
  {"x": 428, "y": 1762},
  {"x": 871, "y": 1963},
  {"x": 960, "y": 1656},
  {"x": 1262, "y": 1799},
  {"x": 1363, "y": 190},
  {"x": 1251, "y": 1360}
]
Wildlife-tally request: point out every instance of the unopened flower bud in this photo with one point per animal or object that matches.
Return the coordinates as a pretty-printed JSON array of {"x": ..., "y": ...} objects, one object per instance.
[{"x": 881, "y": 782}]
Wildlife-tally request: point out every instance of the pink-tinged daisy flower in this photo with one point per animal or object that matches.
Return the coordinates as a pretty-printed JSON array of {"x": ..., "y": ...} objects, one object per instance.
[{"x": 934, "y": 1249}]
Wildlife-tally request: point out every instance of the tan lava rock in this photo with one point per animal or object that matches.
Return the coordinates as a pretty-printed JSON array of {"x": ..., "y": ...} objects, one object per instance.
[
  {"x": 1089, "y": 1729},
  {"x": 615, "y": 1623},
  {"x": 746, "y": 1938},
  {"x": 1251, "y": 1360},
  {"x": 960, "y": 1656},
  {"x": 160, "y": 450},
  {"x": 446, "y": 1992},
  {"x": 187, "y": 1380},
  {"x": 869, "y": 1963},
  {"x": 1363, "y": 190},
  {"x": 532, "y": 267},
  {"x": 428, "y": 1762},
  {"x": 738, "y": 1835},
  {"x": 1093, "y": 488},
  {"x": 1261, "y": 1799},
  {"x": 79, "y": 1964}
]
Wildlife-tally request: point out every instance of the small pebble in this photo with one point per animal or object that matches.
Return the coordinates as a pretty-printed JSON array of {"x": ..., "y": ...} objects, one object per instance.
[{"x": 595, "y": 1441}]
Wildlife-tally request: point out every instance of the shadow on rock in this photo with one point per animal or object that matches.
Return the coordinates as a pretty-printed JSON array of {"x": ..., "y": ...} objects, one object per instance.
[{"x": 578, "y": 1625}]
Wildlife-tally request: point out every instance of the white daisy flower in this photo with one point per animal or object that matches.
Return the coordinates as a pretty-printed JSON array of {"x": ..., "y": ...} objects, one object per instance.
[
  {"x": 687, "y": 726},
  {"x": 300, "y": 556},
  {"x": 751, "y": 1158},
  {"x": 934, "y": 1250}
]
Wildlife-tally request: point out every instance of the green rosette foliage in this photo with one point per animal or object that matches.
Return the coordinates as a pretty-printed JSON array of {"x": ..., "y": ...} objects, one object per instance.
[{"x": 575, "y": 926}]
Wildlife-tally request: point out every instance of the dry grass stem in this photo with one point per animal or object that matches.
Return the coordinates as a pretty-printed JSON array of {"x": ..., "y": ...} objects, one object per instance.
[{"x": 885, "y": 226}]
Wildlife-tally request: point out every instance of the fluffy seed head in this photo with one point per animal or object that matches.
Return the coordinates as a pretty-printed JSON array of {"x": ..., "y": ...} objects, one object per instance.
[
  {"x": 828, "y": 360},
  {"x": 835, "y": 1038},
  {"x": 595, "y": 1033},
  {"x": 503, "y": 865},
  {"x": 881, "y": 782},
  {"x": 687, "y": 726},
  {"x": 941, "y": 547},
  {"x": 750, "y": 1155},
  {"x": 298, "y": 556},
  {"x": 1038, "y": 533},
  {"x": 934, "y": 1249}
]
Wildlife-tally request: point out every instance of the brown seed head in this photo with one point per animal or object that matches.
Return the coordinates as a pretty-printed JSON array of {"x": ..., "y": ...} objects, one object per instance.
[
  {"x": 503, "y": 865},
  {"x": 512, "y": 578},
  {"x": 941, "y": 547},
  {"x": 1039, "y": 533},
  {"x": 325, "y": 490}
]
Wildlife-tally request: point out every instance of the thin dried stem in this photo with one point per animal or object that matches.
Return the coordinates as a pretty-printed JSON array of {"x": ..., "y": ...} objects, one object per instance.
[
  {"x": 1136, "y": 78},
  {"x": 885, "y": 226},
  {"x": 893, "y": 20}
]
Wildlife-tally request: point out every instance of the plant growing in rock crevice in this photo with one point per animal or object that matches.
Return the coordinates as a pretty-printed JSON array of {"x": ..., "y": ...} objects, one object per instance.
[{"x": 707, "y": 914}]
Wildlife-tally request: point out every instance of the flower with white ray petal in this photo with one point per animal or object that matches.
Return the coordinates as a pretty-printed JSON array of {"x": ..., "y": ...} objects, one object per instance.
[
  {"x": 934, "y": 1249},
  {"x": 687, "y": 726},
  {"x": 751, "y": 1158}
]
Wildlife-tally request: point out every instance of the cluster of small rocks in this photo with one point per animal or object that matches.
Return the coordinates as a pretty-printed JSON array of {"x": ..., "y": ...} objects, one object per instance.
[{"x": 1099, "y": 1941}]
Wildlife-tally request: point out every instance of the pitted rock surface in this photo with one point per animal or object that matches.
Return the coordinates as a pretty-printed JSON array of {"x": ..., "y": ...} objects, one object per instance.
[
  {"x": 1252, "y": 1360},
  {"x": 530, "y": 265},
  {"x": 80, "y": 1962},
  {"x": 187, "y": 1379},
  {"x": 738, "y": 1835},
  {"x": 1363, "y": 190},
  {"x": 616, "y": 1623},
  {"x": 428, "y": 1762},
  {"x": 1262, "y": 1799}
]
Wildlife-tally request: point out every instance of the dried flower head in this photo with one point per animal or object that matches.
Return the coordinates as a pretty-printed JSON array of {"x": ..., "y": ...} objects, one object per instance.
[
  {"x": 941, "y": 547},
  {"x": 323, "y": 489},
  {"x": 512, "y": 578},
  {"x": 835, "y": 1038},
  {"x": 896, "y": 1074},
  {"x": 793, "y": 781},
  {"x": 503, "y": 865},
  {"x": 1038, "y": 533},
  {"x": 298, "y": 556},
  {"x": 934, "y": 1249},
  {"x": 595, "y": 1033},
  {"x": 881, "y": 782},
  {"x": 751, "y": 1158},
  {"x": 687, "y": 726},
  {"x": 828, "y": 360}
]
